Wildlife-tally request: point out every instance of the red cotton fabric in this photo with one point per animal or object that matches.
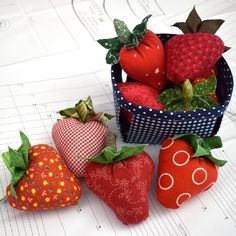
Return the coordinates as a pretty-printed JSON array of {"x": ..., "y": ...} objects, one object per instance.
[
  {"x": 146, "y": 62},
  {"x": 47, "y": 184},
  {"x": 188, "y": 56},
  {"x": 71, "y": 137},
  {"x": 123, "y": 186},
  {"x": 180, "y": 177},
  {"x": 140, "y": 94}
]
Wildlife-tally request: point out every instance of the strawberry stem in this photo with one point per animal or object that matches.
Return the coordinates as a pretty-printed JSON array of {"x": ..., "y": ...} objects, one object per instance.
[
  {"x": 84, "y": 112},
  {"x": 187, "y": 89}
]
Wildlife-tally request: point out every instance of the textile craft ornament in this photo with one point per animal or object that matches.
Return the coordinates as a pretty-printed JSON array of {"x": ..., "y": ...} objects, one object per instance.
[
  {"x": 122, "y": 179},
  {"x": 81, "y": 132},
  {"x": 189, "y": 55},
  {"x": 141, "y": 95},
  {"x": 40, "y": 179},
  {"x": 186, "y": 168},
  {"x": 140, "y": 53}
]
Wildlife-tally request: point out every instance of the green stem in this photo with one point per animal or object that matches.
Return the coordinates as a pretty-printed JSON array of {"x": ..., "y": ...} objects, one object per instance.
[{"x": 187, "y": 89}]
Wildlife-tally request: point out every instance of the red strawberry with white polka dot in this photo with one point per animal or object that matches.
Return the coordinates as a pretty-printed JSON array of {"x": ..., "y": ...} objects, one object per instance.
[
  {"x": 40, "y": 178},
  {"x": 186, "y": 168},
  {"x": 197, "y": 50},
  {"x": 81, "y": 132},
  {"x": 140, "y": 53},
  {"x": 139, "y": 94}
]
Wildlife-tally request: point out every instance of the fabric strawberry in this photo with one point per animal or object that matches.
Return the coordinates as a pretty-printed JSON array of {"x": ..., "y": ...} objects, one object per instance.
[
  {"x": 139, "y": 94},
  {"x": 186, "y": 168},
  {"x": 140, "y": 53},
  {"x": 189, "y": 55},
  {"x": 81, "y": 132},
  {"x": 122, "y": 179},
  {"x": 188, "y": 97},
  {"x": 40, "y": 179}
]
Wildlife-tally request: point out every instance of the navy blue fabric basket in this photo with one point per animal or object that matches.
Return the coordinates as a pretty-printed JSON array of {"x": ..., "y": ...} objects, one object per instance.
[{"x": 152, "y": 126}]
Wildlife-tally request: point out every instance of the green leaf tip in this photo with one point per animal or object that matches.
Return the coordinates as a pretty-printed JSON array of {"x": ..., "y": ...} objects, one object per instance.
[
  {"x": 110, "y": 155},
  {"x": 17, "y": 161},
  {"x": 202, "y": 146},
  {"x": 84, "y": 112}
]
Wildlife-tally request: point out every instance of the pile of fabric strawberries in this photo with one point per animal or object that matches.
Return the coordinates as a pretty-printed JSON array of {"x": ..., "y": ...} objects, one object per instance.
[{"x": 46, "y": 178}]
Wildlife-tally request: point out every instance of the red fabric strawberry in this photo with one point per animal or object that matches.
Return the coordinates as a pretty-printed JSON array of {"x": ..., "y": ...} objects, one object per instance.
[
  {"x": 139, "y": 94},
  {"x": 186, "y": 168},
  {"x": 189, "y": 55},
  {"x": 40, "y": 178},
  {"x": 123, "y": 184},
  {"x": 141, "y": 53},
  {"x": 81, "y": 132}
]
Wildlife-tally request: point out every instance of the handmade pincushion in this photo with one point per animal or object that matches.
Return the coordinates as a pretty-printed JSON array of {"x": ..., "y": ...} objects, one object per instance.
[
  {"x": 40, "y": 178},
  {"x": 186, "y": 168},
  {"x": 122, "y": 179},
  {"x": 81, "y": 132}
]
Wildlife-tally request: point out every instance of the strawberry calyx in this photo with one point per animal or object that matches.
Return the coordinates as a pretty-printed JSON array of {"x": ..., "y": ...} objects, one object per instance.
[
  {"x": 17, "y": 161},
  {"x": 84, "y": 112},
  {"x": 109, "y": 155},
  {"x": 195, "y": 24},
  {"x": 189, "y": 97},
  {"x": 202, "y": 146},
  {"x": 125, "y": 38}
]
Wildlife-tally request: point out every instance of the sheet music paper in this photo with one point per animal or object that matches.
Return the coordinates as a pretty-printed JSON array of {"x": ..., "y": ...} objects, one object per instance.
[{"x": 35, "y": 84}]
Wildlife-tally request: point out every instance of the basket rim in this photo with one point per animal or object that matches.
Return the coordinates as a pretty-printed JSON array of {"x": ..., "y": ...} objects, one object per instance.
[{"x": 155, "y": 113}]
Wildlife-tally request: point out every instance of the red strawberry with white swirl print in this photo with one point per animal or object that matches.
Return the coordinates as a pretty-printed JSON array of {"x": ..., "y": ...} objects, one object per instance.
[
  {"x": 122, "y": 180},
  {"x": 186, "y": 168}
]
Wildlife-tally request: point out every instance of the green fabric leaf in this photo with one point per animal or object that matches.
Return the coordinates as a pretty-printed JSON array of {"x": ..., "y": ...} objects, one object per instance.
[
  {"x": 24, "y": 148},
  {"x": 183, "y": 27},
  {"x": 134, "y": 41},
  {"x": 6, "y": 159},
  {"x": 84, "y": 112},
  {"x": 217, "y": 161},
  {"x": 169, "y": 95},
  {"x": 122, "y": 31},
  {"x": 202, "y": 147},
  {"x": 140, "y": 29},
  {"x": 16, "y": 159},
  {"x": 210, "y": 26},
  {"x": 206, "y": 87},
  {"x": 109, "y": 43},
  {"x": 112, "y": 56},
  {"x": 210, "y": 101},
  {"x": 110, "y": 155},
  {"x": 12, "y": 191},
  {"x": 213, "y": 142},
  {"x": 198, "y": 103},
  {"x": 176, "y": 105}
]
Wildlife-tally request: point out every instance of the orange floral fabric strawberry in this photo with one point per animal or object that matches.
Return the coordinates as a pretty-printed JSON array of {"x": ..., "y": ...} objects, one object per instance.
[{"x": 46, "y": 184}]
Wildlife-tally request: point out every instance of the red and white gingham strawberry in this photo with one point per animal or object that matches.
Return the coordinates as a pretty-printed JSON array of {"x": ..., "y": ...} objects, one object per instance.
[
  {"x": 40, "y": 179},
  {"x": 186, "y": 168},
  {"x": 81, "y": 132},
  {"x": 190, "y": 54}
]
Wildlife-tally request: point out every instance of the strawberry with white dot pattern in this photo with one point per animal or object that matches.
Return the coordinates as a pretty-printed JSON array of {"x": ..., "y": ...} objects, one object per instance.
[{"x": 183, "y": 170}]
